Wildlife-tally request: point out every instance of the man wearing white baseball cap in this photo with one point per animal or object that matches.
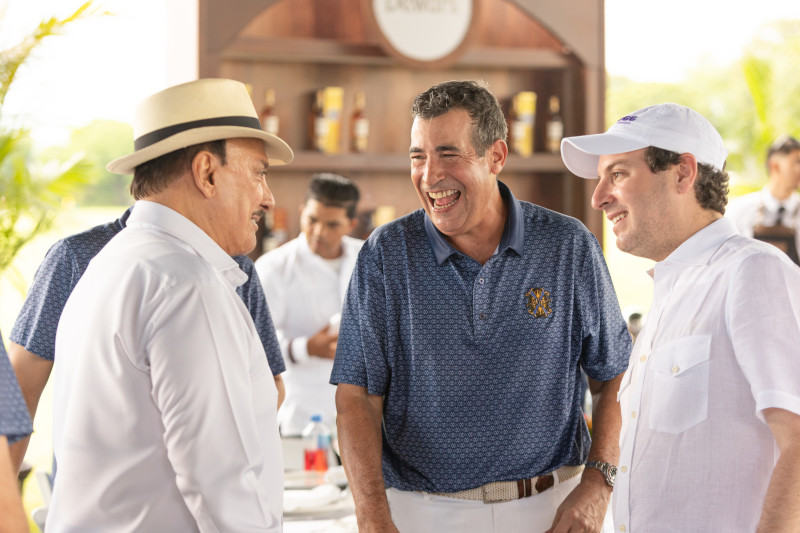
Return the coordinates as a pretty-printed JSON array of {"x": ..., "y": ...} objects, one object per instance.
[
  {"x": 711, "y": 399},
  {"x": 165, "y": 414}
]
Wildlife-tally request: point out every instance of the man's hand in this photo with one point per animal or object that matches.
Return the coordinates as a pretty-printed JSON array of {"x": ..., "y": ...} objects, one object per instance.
[
  {"x": 585, "y": 507},
  {"x": 323, "y": 343}
]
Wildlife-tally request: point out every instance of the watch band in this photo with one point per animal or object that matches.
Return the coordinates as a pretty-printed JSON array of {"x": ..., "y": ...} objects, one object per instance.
[{"x": 609, "y": 471}]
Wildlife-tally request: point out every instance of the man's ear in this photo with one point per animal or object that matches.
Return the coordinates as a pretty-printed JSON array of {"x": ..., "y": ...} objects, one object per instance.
[
  {"x": 686, "y": 173},
  {"x": 204, "y": 165},
  {"x": 773, "y": 165},
  {"x": 496, "y": 155},
  {"x": 353, "y": 224}
]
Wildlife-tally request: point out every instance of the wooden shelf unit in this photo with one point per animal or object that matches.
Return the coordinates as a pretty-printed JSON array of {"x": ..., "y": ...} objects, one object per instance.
[{"x": 292, "y": 47}]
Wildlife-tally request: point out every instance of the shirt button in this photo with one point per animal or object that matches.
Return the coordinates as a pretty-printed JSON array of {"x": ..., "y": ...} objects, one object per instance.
[
  {"x": 482, "y": 316},
  {"x": 643, "y": 358},
  {"x": 633, "y": 414},
  {"x": 675, "y": 369},
  {"x": 481, "y": 281},
  {"x": 622, "y": 527},
  {"x": 623, "y": 469}
]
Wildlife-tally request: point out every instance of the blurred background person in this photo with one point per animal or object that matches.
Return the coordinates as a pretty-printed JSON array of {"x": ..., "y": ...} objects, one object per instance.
[
  {"x": 15, "y": 423},
  {"x": 773, "y": 213},
  {"x": 305, "y": 281}
]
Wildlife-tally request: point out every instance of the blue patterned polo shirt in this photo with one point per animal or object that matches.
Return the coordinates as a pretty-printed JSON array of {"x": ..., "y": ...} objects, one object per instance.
[
  {"x": 15, "y": 422},
  {"x": 479, "y": 366},
  {"x": 65, "y": 263}
]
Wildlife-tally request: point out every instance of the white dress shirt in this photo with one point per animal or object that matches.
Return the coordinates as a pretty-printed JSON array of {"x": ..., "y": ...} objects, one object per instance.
[
  {"x": 719, "y": 346},
  {"x": 303, "y": 292},
  {"x": 761, "y": 207},
  {"x": 165, "y": 406}
]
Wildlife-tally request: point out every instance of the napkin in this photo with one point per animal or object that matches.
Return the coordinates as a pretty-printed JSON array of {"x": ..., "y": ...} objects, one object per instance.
[{"x": 302, "y": 500}]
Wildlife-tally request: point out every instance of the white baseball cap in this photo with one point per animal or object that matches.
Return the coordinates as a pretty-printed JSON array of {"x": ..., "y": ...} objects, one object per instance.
[{"x": 671, "y": 127}]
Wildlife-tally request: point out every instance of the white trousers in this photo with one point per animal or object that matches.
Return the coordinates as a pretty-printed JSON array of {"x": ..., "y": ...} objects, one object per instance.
[{"x": 418, "y": 512}]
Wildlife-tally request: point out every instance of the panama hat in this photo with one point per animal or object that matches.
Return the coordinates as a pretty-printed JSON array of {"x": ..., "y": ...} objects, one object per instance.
[
  {"x": 671, "y": 127},
  {"x": 192, "y": 113}
]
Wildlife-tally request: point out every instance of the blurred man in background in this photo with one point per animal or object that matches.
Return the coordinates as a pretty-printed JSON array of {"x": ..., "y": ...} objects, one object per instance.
[
  {"x": 15, "y": 423},
  {"x": 773, "y": 213},
  {"x": 305, "y": 281}
]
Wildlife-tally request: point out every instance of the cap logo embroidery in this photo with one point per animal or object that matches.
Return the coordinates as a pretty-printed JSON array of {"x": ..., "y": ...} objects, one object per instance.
[
  {"x": 627, "y": 119},
  {"x": 539, "y": 302}
]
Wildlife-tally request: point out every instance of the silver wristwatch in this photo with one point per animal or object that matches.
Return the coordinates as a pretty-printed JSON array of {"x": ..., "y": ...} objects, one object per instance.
[{"x": 609, "y": 471}]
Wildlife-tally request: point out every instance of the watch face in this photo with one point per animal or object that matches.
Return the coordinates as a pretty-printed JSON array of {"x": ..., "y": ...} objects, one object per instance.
[{"x": 612, "y": 474}]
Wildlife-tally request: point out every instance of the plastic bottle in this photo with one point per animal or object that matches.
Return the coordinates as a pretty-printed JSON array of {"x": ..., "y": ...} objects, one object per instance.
[{"x": 316, "y": 444}]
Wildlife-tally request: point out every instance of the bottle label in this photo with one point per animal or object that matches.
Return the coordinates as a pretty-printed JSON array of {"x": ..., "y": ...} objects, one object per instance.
[
  {"x": 555, "y": 131},
  {"x": 271, "y": 124},
  {"x": 316, "y": 460},
  {"x": 361, "y": 127}
]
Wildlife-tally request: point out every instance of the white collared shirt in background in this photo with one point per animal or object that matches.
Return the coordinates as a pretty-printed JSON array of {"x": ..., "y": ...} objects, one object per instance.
[
  {"x": 719, "y": 346},
  {"x": 303, "y": 292},
  {"x": 165, "y": 406},
  {"x": 761, "y": 207}
]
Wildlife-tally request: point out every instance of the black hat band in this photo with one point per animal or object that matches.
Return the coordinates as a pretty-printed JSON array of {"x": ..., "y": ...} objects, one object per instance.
[{"x": 159, "y": 135}]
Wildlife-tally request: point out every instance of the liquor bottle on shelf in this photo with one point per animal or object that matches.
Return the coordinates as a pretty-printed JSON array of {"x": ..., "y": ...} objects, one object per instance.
[
  {"x": 269, "y": 119},
  {"x": 318, "y": 124},
  {"x": 326, "y": 120},
  {"x": 555, "y": 126},
  {"x": 524, "y": 114},
  {"x": 359, "y": 125}
]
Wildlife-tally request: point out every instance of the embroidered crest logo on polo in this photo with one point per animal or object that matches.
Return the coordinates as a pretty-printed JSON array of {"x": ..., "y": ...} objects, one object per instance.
[{"x": 539, "y": 302}]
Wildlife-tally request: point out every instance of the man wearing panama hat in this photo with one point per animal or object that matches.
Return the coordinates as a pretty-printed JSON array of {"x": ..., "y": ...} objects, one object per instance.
[{"x": 165, "y": 407}]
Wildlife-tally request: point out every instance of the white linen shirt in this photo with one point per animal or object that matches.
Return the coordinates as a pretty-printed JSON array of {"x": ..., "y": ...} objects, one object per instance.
[
  {"x": 303, "y": 292},
  {"x": 719, "y": 346},
  {"x": 165, "y": 406}
]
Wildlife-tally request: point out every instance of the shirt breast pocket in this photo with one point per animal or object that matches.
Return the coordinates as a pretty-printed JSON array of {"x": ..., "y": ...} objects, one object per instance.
[{"x": 680, "y": 384}]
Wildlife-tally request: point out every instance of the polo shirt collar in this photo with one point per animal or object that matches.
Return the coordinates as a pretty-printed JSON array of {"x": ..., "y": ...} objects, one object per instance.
[
  {"x": 513, "y": 232},
  {"x": 123, "y": 220},
  {"x": 162, "y": 218}
]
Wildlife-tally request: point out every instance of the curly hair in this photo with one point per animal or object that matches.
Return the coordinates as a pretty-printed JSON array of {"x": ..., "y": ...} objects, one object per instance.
[
  {"x": 488, "y": 121},
  {"x": 151, "y": 177},
  {"x": 711, "y": 186}
]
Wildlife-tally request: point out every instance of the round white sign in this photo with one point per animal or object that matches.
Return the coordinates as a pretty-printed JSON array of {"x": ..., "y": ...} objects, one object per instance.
[{"x": 424, "y": 30}]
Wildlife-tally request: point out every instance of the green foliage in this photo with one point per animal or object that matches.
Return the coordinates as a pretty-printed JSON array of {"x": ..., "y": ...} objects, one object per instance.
[
  {"x": 100, "y": 141},
  {"x": 31, "y": 190},
  {"x": 751, "y": 102}
]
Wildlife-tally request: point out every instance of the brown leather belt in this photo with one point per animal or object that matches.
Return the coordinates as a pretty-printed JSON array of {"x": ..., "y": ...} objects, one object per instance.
[{"x": 504, "y": 491}]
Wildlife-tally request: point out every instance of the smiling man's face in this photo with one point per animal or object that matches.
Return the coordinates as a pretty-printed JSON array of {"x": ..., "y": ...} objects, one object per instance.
[
  {"x": 454, "y": 183},
  {"x": 638, "y": 202}
]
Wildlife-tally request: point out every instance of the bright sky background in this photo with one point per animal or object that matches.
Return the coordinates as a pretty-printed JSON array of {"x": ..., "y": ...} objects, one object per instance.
[{"x": 102, "y": 67}]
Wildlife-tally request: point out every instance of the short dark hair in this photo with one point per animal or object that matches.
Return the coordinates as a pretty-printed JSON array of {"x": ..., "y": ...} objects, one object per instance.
[
  {"x": 153, "y": 176},
  {"x": 488, "y": 122},
  {"x": 785, "y": 144},
  {"x": 711, "y": 186},
  {"x": 333, "y": 190}
]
